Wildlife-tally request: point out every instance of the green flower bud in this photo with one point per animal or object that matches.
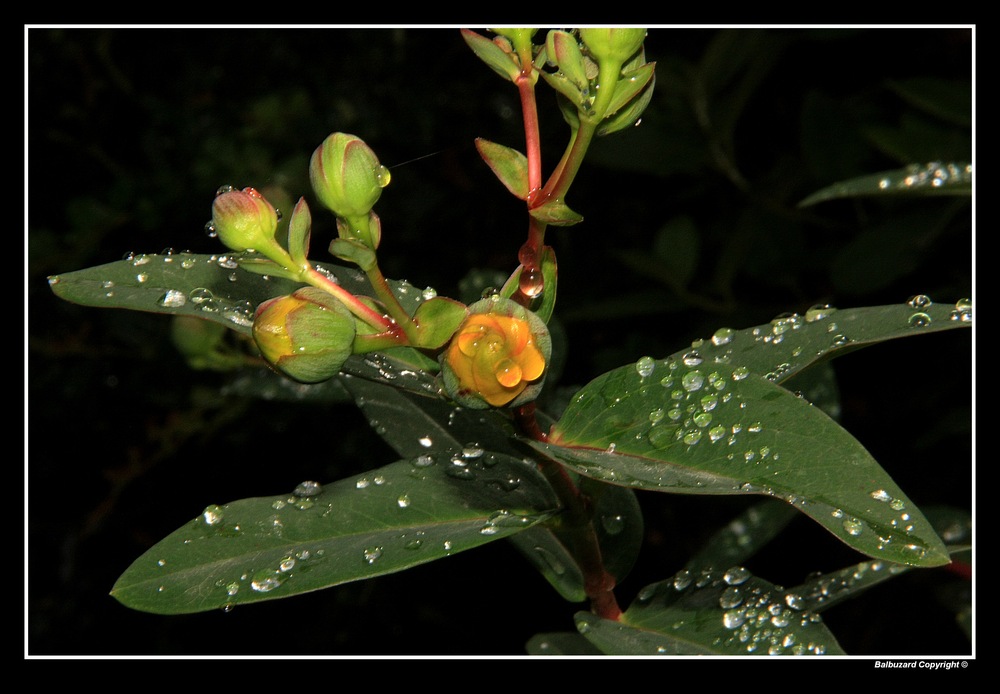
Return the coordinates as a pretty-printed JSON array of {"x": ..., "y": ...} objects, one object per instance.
[
  {"x": 613, "y": 44},
  {"x": 307, "y": 335},
  {"x": 244, "y": 219},
  {"x": 347, "y": 176}
]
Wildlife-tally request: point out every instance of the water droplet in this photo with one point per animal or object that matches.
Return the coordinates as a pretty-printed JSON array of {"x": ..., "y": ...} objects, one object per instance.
[
  {"x": 839, "y": 340},
  {"x": 372, "y": 554},
  {"x": 692, "y": 358},
  {"x": 918, "y": 320},
  {"x": 267, "y": 580},
  {"x": 308, "y": 488},
  {"x": 423, "y": 461},
  {"x": 403, "y": 500},
  {"x": 722, "y": 336},
  {"x": 223, "y": 189},
  {"x": 645, "y": 366},
  {"x": 212, "y": 515},
  {"x": 735, "y": 576},
  {"x": 897, "y": 505},
  {"x": 740, "y": 372},
  {"x": 141, "y": 277},
  {"x": 919, "y": 301},
  {"x": 702, "y": 419},
  {"x": 716, "y": 433},
  {"x": 692, "y": 437},
  {"x": 732, "y": 619},
  {"x": 682, "y": 579},
  {"x": 731, "y": 597},
  {"x": 286, "y": 565},
  {"x": 200, "y": 295},
  {"x": 656, "y": 415},
  {"x": 692, "y": 381},
  {"x": 613, "y": 525},
  {"x": 362, "y": 483},
  {"x": 819, "y": 312},
  {"x": 853, "y": 526},
  {"x": 531, "y": 282},
  {"x": 382, "y": 176},
  {"x": 471, "y": 451},
  {"x": 881, "y": 495},
  {"x": 232, "y": 589},
  {"x": 172, "y": 299}
]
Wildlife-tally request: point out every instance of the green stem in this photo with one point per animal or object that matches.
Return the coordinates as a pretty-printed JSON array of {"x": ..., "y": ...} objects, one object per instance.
[
  {"x": 384, "y": 293},
  {"x": 582, "y": 537},
  {"x": 568, "y": 167},
  {"x": 357, "y": 307}
]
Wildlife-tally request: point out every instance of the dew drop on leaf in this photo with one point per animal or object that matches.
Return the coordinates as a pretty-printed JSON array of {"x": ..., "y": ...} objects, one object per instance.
[
  {"x": 212, "y": 515},
  {"x": 172, "y": 299},
  {"x": 722, "y": 336},
  {"x": 308, "y": 488},
  {"x": 645, "y": 366}
]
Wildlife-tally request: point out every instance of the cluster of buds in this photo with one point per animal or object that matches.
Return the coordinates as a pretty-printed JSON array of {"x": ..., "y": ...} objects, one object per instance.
[{"x": 492, "y": 354}]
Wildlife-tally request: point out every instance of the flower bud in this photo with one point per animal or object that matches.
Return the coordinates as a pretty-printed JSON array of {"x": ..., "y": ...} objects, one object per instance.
[
  {"x": 244, "y": 219},
  {"x": 346, "y": 175},
  {"x": 613, "y": 44},
  {"x": 307, "y": 335},
  {"x": 497, "y": 357}
]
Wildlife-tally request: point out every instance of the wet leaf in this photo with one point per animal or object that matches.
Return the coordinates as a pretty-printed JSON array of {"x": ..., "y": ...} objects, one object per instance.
[
  {"x": 744, "y": 536},
  {"x": 560, "y": 643},
  {"x": 720, "y": 612},
  {"x": 934, "y": 178},
  {"x": 950, "y": 100},
  {"x": 219, "y": 288},
  {"x": 404, "y": 514},
  {"x": 712, "y": 420}
]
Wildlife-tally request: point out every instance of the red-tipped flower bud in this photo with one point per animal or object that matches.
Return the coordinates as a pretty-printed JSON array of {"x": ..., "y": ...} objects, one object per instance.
[
  {"x": 497, "y": 357},
  {"x": 244, "y": 220},
  {"x": 307, "y": 335},
  {"x": 347, "y": 176}
]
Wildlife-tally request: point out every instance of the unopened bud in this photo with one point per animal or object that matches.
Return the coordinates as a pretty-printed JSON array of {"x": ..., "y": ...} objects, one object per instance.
[
  {"x": 244, "y": 220},
  {"x": 347, "y": 176},
  {"x": 307, "y": 335}
]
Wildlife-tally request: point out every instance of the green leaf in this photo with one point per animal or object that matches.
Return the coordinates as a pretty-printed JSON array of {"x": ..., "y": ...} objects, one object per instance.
[
  {"x": 415, "y": 424},
  {"x": 632, "y": 105},
  {"x": 404, "y": 514},
  {"x": 353, "y": 251},
  {"x": 571, "y": 96},
  {"x": 934, "y": 178},
  {"x": 499, "y": 61},
  {"x": 560, "y": 643},
  {"x": 950, "y": 100},
  {"x": 711, "y": 420},
  {"x": 556, "y": 213},
  {"x": 823, "y": 592},
  {"x": 712, "y": 612},
  {"x": 438, "y": 318},
  {"x": 509, "y": 165},
  {"x": 222, "y": 289},
  {"x": 744, "y": 536},
  {"x": 299, "y": 231}
]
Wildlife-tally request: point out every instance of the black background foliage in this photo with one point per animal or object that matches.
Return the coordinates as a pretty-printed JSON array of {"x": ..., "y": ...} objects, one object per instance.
[{"x": 690, "y": 224}]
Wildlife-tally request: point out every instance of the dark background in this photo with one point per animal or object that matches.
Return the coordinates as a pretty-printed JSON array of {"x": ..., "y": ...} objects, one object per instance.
[{"x": 130, "y": 132}]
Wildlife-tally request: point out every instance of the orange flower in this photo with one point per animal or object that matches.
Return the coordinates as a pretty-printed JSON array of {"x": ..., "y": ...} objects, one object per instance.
[{"x": 494, "y": 357}]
